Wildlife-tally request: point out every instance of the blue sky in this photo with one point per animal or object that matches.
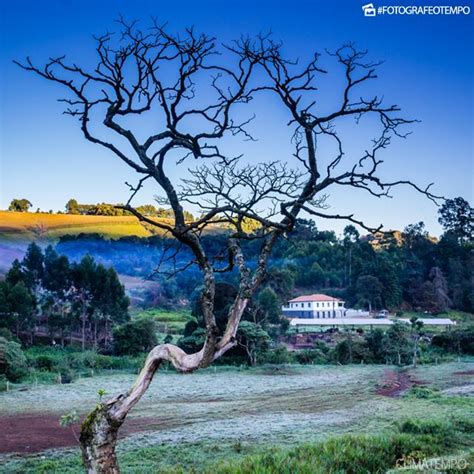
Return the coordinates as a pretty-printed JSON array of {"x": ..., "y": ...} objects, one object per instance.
[{"x": 428, "y": 71}]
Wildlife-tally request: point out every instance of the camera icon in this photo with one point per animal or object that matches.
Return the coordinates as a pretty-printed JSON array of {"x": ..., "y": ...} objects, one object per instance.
[{"x": 369, "y": 10}]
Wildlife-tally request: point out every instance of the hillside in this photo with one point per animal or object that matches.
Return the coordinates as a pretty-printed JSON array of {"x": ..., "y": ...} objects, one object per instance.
[
  {"x": 26, "y": 226},
  {"x": 17, "y": 229}
]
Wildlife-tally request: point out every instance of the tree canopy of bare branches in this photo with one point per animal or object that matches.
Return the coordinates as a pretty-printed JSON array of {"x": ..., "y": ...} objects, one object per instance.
[{"x": 189, "y": 87}]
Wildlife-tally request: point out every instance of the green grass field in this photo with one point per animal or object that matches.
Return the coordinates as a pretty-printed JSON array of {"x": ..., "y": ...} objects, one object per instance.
[
  {"x": 169, "y": 322},
  {"x": 251, "y": 420}
]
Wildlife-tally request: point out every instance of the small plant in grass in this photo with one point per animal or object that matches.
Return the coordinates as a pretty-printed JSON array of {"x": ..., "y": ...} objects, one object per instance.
[
  {"x": 423, "y": 392},
  {"x": 237, "y": 446},
  {"x": 70, "y": 419},
  {"x": 101, "y": 392}
]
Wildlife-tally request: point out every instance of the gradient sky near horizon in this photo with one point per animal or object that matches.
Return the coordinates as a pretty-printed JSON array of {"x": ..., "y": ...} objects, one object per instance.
[{"x": 428, "y": 71}]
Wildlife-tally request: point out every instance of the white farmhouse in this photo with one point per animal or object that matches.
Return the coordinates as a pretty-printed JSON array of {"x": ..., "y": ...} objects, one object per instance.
[{"x": 316, "y": 306}]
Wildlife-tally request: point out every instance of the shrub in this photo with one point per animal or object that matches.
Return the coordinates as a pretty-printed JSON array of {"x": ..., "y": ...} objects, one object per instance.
[
  {"x": 8, "y": 335},
  {"x": 352, "y": 351},
  {"x": 66, "y": 374},
  {"x": 280, "y": 355},
  {"x": 423, "y": 392},
  {"x": 68, "y": 364},
  {"x": 312, "y": 356},
  {"x": 89, "y": 360},
  {"x": 458, "y": 341},
  {"x": 12, "y": 360},
  {"x": 46, "y": 362},
  {"x": 135, "y": 337}
]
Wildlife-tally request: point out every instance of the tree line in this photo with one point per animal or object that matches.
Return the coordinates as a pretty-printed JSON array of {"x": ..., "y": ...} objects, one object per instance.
[
  {"x": 406, "y": 270},
  {"x": 47, "y": 295},
  {"x": 100, "y": 209}
]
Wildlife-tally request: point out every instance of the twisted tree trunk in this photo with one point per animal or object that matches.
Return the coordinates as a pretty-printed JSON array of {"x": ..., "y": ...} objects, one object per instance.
[
  {"x": 98, "y": 440},
  {"x": 99, "y": 430}
]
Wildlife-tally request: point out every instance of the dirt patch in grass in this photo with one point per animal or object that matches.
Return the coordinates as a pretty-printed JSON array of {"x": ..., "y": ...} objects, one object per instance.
[
  {"x": 464, "y": 372},
  {"x": 278, "y": 371},
  {"x": 33, "y": 433},
  {"x": 396, "y": 384}
]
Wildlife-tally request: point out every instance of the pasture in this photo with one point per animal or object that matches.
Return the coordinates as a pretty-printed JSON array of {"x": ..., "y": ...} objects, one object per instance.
[
  {"x": 27, "y": 226},
  {"x": 191, "y": 422},
  {"x": 168, "y": 322}
]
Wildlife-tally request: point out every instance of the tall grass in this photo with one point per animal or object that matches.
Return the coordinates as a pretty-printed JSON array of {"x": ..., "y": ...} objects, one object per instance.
[{"x": 356, "y": 454}]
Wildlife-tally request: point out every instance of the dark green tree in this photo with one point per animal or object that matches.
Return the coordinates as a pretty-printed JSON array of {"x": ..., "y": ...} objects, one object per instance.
[
  {"x": 254, "y": 339},
  {"x": 434, "y": 292},
  {"x": 351, "y": 237},
  {"x": 375, "y": 344},
  {"x": 109, "y": 305},
  {"x": 57, "y": 272},
  {"x": 20, "y": 205},
  {"x": 416, "y": 325},
  {"x": 84, "y": 278},
  {"x": 368, "y": 291},
  {"x": 457, "y": 216},
  {"x": 270, "y": 305},
  {"x": 15, "y": 274},
  {"x": 352, "y": 349},
  {"x": 72, "y": 207},
  {"x": 17, "y": 307},
  {"x": 33, "y": 265},
  {"x": 135, "y": 337},
  {"x": 398, "y": 347}
]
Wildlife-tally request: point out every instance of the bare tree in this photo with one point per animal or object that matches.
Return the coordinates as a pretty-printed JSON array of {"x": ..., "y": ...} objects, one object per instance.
[{"x": 190, "y": 87}]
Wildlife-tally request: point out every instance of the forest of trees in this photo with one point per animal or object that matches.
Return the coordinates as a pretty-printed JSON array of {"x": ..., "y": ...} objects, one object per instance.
[
  {"x": 46, "y": 295},
  {"x": 99, "y": 209},
  {"x": 407, "y": 270},
  {"x": 107, "y": 209},
  {"x": 74, "y": 291}
]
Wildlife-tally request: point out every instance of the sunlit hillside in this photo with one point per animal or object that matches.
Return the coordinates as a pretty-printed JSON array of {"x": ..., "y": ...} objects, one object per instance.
[{"x": 34, "y": 226}]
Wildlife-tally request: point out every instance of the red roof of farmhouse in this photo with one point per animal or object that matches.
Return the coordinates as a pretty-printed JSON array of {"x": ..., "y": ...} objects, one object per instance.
[{"x": 316, "y": 297}]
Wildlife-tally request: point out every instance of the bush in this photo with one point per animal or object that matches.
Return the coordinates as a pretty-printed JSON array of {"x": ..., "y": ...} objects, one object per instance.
[
  {"x": 66, "y": 374},
  {"x": 135, "y": 337},
  {"x": 423, "y": 392},
  {"x": 68, "y": 364},
  {"x": 8, "y": 335},
  {"x": 352, "y": 351},
  {"x": 312, "y": 356},
  {"x": 12, "y": 360},
  {"x": 47, "y": 362},
  {"x": 457, "y": 341},
  {"x": 89, "y": 360},
  {"x": 280, "y": 355}
]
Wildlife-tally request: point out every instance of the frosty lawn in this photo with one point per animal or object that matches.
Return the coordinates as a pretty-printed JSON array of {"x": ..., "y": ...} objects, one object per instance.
[{"x": 256, "y": 408}]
